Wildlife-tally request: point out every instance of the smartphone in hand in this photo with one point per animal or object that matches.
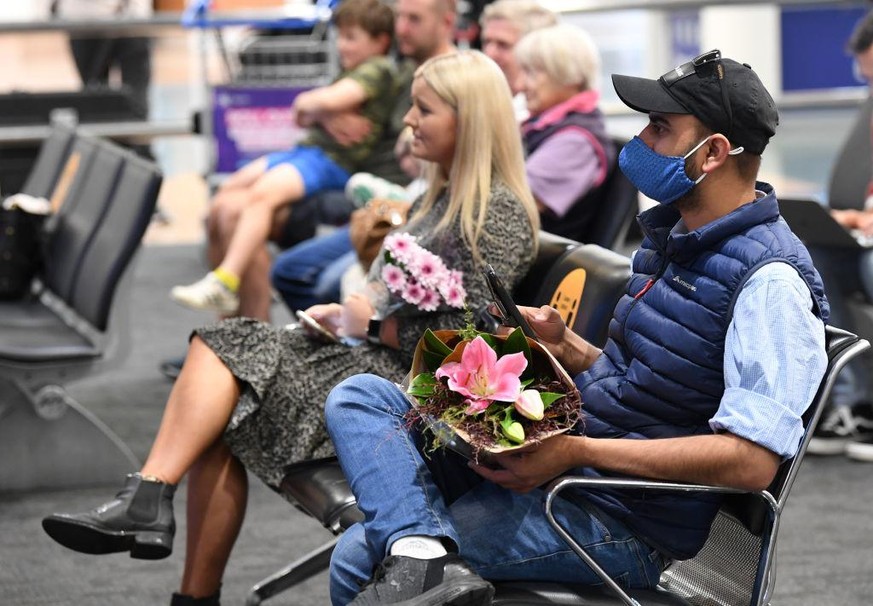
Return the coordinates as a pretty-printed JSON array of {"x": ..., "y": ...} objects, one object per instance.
[
  {"x": 312, "y": 325},
  {"x": 511, "y": 315}
]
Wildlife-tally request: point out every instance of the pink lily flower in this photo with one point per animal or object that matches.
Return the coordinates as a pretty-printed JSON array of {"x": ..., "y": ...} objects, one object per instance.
[
  {"x": 474, "y": 407},
  {"x": 482, "y": 378}
]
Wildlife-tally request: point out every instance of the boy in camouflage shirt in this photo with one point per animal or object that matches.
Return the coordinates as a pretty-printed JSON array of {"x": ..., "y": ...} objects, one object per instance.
[{"x": 264, "y": 191}]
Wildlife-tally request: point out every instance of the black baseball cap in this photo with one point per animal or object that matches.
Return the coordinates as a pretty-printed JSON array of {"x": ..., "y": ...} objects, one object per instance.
[{"x": 726, "y": 96}]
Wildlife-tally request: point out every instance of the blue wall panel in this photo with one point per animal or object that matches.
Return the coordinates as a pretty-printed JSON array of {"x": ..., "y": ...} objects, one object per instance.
[{"x": 813, "y": 47}]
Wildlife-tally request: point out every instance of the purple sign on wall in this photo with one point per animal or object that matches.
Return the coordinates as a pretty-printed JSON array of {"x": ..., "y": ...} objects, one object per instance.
[{"x": 250, "y": 122}]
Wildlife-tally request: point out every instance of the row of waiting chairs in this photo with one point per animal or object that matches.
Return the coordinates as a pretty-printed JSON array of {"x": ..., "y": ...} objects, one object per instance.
[{"x": 73, "y": 323}]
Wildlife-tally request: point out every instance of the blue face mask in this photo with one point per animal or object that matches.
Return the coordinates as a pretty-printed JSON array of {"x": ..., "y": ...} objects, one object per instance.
[{"x": 661, "y": 178}]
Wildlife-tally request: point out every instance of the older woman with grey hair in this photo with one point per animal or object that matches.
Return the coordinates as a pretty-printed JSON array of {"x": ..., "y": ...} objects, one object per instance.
[{"x": 569, "y": 154}]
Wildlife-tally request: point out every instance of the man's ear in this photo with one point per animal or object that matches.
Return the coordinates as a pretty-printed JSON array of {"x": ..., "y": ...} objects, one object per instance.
[
  {"x": 717, "y": 149},
  {"x": 450, "y": 17}
]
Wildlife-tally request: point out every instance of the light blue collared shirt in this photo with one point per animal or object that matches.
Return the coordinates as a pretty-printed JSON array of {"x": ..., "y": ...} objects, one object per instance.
[{"x": 774, "y": 360}]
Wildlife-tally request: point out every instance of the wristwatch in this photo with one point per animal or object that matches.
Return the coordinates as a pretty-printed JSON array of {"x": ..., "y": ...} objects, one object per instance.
[{"x": 374, "y": 329}]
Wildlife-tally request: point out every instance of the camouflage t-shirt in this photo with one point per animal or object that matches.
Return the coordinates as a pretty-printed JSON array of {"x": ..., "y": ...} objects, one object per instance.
[
  {"x": 382, "y": 162},
  {"x": 378, "y": 77}
]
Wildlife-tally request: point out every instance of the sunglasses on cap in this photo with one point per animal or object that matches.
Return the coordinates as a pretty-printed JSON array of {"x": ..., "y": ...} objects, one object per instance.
[{"x": 706, "y": 65}]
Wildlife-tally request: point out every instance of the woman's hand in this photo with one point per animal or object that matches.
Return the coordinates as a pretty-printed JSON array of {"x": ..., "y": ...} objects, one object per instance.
[
  {"x": 865, "y": 222},
  {"x": 848, "y": 218},
  {"x": 330, "y": 316},
  {"x": 356, "y": 313}
]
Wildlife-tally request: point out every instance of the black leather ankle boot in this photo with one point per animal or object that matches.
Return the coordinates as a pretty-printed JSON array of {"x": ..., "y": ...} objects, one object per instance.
[
  {"x": 180, "y": 599},
  {"x": 139, "y": 519}
]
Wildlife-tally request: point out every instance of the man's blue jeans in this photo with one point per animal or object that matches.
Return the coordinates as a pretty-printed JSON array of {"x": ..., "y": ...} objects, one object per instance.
[
  {"x": 501, "y": 534},
  {"x": 310, "y": 272}
]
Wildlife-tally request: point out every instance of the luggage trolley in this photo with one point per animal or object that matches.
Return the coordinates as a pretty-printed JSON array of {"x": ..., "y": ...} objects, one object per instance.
[{"x": 293, "y": 50}]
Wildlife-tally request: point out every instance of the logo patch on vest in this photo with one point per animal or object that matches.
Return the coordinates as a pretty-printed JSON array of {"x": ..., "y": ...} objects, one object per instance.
[{"x": 682, "y": 282}]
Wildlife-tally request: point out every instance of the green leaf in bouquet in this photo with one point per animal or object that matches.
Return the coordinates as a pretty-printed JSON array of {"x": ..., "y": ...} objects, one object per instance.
[
  {"x": 549, "y": 397},
  {"x": 516, "y": 342},
  {"x": 422, "y": 385},
  {"x": 435, "y": 351},
  {"x": 468, "y": 332},
  {"x": 434, "y": 344},
  {"x": 432, "y": 360}
]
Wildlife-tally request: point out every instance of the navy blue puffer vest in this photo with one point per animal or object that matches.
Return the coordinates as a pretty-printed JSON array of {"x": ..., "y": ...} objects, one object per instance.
[{"x": 661, "y": 374}]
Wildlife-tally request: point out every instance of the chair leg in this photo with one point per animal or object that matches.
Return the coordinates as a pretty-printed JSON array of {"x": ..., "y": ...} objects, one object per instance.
[
  {"x": 296, "y": 572},
  {"x": 50, "y": 441}
]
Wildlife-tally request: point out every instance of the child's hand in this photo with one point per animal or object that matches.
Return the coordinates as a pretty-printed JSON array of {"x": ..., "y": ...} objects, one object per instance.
[
  {"x": 301, "y": 112},
  {"x": 347, "y": 128}
]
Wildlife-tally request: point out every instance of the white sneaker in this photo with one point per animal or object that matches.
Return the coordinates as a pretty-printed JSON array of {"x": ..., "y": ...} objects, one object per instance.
[
  {"x": 861, "y": 449},
  {"x": 363, "y": 187},
  {"x": 207, "y": 294},
  {"x": 844, "y": 426}
]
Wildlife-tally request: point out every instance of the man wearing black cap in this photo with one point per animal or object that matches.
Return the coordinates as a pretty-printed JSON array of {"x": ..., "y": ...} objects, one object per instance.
[{"x": 714, "y": 353}]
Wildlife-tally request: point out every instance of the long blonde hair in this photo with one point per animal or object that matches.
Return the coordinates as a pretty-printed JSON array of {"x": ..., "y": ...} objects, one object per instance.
[{"x": 487, "y": 142}]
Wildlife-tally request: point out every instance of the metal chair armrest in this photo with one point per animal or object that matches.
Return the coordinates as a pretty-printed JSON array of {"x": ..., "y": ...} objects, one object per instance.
[{"x": 556, "y": 487}]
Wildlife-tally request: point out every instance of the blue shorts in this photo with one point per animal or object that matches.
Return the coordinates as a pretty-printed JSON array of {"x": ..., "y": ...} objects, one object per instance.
[{"x": 318, "y": 170}]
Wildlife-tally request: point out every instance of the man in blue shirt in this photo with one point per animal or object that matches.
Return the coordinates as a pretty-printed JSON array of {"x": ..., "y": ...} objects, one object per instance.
[{"x": 714, "y": 353}]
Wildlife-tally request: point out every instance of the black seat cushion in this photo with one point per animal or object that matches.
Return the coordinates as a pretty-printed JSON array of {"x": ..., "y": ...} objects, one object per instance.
[
  {"x": 319, "y": 487},
  {"x": 28, "y": 313},
  {"x": 46, "y": 338}
]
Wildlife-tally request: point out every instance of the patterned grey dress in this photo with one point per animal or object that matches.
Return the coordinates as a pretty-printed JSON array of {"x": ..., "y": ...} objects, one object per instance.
[{"x": 285, "y": 376}]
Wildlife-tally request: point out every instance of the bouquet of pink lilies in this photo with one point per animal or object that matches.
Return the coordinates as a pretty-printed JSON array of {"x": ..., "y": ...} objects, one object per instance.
[{"x": 497, "y": 393}]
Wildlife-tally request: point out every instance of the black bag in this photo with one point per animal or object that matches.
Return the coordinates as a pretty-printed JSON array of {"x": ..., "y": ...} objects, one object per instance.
[{"x": 20, "y": 251}]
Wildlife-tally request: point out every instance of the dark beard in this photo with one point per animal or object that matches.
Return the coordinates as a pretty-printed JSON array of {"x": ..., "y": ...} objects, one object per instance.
[{"x": 688, "y": 203}]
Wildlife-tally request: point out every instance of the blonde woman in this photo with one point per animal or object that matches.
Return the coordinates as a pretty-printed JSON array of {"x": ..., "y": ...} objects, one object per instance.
[
  {"x": 568, "y": 150},
  {"x": 250, "y": 395}
]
